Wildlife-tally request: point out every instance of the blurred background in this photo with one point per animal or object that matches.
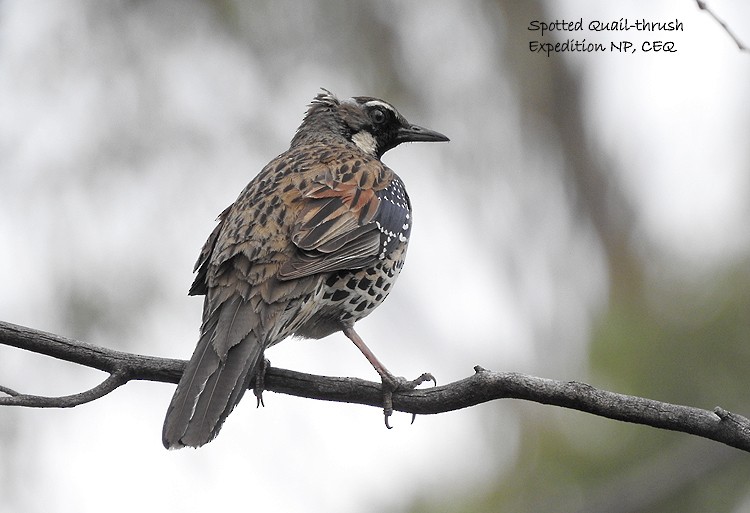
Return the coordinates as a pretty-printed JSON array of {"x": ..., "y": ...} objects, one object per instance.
[{"x": 587, "y": 221}]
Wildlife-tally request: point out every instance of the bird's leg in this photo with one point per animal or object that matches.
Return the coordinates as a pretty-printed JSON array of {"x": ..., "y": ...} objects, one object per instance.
[
  {"x": 260, "y": 380},
  {"x": 390, "y": 382}
]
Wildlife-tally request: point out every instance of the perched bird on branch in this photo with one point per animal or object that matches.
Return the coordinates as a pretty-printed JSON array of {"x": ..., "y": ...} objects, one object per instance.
[{"x": 312, "y": 244}]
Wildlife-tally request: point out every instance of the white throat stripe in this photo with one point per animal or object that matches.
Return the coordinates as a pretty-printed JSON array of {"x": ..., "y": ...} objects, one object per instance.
[{"x": 365, "y": 142}]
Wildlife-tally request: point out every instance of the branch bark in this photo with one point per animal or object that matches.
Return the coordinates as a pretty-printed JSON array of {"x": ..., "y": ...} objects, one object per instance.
[
  {"x": 483, "y": 386},
  {"x": 704, "y": 7}
]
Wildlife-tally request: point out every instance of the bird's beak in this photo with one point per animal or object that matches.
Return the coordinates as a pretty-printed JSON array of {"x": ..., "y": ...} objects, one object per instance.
[{"x": 416, "y": 133}]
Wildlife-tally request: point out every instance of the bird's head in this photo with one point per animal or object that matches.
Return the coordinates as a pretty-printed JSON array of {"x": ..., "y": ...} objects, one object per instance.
[{"x": 373, "y": 125}]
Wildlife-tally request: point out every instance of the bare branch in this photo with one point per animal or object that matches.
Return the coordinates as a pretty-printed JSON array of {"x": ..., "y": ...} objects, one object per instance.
[
  {"x": 14, "y": 398},
  {"x": 147, "y": 368},
  {"x": 703, "y": 7},
  {"x": 8, "y": 391},
  {"x": 483, "y": 386}
]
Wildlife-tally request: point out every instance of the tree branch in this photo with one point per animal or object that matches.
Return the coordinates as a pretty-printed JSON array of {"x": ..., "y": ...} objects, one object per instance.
[
  {"x": 483, "y": 386},
  {"x": 14, "y": 398},
  {"x": 703, "y": 7}
]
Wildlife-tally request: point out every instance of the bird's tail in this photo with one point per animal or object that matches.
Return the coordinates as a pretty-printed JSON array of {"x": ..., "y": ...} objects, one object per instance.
[{"x": 224, "y": 363}]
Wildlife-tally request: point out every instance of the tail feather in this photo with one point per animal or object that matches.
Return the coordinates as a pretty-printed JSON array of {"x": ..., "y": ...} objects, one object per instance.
[
  {"x": 223, "y": 391},
  {"x": 204, "y": 362},
  {"x": 224, "y": 362}
]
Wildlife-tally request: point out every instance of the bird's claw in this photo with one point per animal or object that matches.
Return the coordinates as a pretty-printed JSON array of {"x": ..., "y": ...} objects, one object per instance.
[
  {"x": 260, "y": 382},
  {"x": 393, "y": 384},
  {"x": 423, "y": 379}
]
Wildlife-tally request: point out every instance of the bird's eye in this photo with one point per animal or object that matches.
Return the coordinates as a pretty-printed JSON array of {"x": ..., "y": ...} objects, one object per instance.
[{"x": 377, "y": 116}]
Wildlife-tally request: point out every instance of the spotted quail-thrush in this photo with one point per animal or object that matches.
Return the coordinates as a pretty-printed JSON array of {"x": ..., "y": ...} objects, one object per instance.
[{"x": 313, "y": 244}]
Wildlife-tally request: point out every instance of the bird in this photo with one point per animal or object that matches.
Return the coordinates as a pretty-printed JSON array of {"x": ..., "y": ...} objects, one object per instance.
[{"x": 313, "y": 244}]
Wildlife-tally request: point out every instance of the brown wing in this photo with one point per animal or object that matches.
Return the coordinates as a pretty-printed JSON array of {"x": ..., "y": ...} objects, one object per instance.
[
  {"x": 199, "y": 288},
  {"x": 336, "y": 228}
]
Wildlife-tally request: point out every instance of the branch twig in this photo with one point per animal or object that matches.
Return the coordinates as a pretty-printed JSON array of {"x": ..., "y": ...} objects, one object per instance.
[
  {"x": 703, "y": 7},
  {"x": 14, "y": 398},
  {"x": 483, "y": 386}
]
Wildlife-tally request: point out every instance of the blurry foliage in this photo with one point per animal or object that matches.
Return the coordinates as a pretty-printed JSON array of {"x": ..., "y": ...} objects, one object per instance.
[
  {"x": 670, "y": 339},
  {"x": 685, "y": 343},
  {"x": 683, "y": 356}
]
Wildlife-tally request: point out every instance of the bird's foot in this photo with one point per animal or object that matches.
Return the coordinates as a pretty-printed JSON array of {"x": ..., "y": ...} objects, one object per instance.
[
  {"x": 391, "y": 384},
  {"x": 260, "y": 381}
]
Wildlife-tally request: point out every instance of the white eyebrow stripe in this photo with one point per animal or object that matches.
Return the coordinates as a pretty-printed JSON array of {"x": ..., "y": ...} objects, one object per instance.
[{"x": 378, "y": 103}]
